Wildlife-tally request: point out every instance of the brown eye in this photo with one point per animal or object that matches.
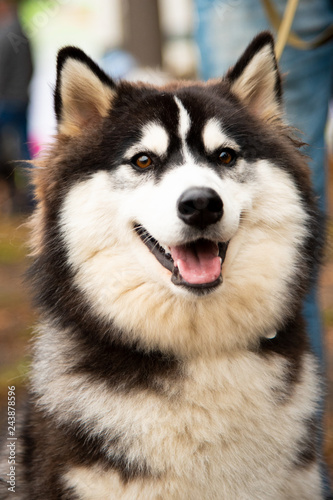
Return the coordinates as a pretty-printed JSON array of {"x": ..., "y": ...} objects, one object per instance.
[
  {"x": 143, "y": 161},
  {"x": 227, "y": 156}
]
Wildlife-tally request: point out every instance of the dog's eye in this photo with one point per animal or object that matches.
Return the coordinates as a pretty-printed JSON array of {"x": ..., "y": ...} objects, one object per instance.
[
  {"x": 142, "y": 161},
  {"x": 227, "y": 156}
]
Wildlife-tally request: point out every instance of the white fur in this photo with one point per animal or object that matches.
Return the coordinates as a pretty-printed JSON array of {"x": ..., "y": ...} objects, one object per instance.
[
  {"x": 213, "y": 137},
  {"x": 184, "y": 126},
  {"x": 96, "y": 484},
  {"x": 184, "y": 120},
  {"x": 164, "y": 223},
  {"x": 225, "y": 414},
  {"x": 97, "y": 223},
  {"x": 154, "y": 139}
]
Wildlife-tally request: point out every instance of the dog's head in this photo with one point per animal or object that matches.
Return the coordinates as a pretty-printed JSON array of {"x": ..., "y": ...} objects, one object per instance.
[{"x": 181, "y": 214}]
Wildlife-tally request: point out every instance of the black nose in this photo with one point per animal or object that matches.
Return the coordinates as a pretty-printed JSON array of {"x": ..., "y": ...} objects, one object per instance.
[{"x": 200, "y": 207}]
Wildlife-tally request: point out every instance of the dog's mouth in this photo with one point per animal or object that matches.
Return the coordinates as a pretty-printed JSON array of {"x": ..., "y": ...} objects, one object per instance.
[{"x": 197, "y": 264}]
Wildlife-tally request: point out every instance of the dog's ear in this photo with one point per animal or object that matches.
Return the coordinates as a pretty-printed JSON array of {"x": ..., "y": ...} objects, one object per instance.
[
  {"x": 83, "y": 93},
  {"x": 255, "y": 78}
]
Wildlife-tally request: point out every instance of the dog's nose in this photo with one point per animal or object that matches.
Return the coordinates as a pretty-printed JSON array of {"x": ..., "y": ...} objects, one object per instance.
[{"x": 200, "y": 207}]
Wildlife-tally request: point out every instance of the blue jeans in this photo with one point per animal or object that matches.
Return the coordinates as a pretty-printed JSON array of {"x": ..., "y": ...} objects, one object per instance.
[
  {"x": 223, "y": 30},
  {"x": 13, "y": 116}
]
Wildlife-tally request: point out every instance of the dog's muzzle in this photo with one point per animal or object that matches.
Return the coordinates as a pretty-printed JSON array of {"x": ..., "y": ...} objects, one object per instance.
[{"x": 196, "y": 264}]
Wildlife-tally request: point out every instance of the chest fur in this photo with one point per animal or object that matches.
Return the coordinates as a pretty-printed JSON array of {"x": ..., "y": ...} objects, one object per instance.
[{"x": 230, "y": 423}]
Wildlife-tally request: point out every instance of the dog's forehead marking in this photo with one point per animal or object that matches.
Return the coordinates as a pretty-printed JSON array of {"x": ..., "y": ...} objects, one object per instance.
[
  {"x": 154, "y": 138},
  {"x": 184, "y": 120},
  {"x": 184, "y": 125},
  {"x": 213, "y": 137}
]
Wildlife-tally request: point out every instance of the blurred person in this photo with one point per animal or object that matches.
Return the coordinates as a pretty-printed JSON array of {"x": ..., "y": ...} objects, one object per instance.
[
  {"x": 15, "y": 75},
  {"x": 224, "y": 28}
]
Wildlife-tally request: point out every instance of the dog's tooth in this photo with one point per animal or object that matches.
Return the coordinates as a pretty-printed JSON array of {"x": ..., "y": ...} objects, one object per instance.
[{"x": 164, "y": 249}]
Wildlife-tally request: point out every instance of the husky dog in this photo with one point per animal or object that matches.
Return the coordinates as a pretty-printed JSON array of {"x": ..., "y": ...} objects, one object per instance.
[{"x": 175, "y": 237}]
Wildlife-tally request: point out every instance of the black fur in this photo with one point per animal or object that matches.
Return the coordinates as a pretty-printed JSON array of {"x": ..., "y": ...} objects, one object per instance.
[
  {"x": 77, "y": 54},
  {"x": 291, "y": 343},
  {"x": 308, "y": 448},
  {"x": 70, "y": 444},
  {"x": 264, "y": 38}
]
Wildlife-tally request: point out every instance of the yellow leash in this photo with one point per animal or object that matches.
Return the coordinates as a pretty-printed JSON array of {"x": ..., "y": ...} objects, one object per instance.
[{"x": 284, "y": 32}]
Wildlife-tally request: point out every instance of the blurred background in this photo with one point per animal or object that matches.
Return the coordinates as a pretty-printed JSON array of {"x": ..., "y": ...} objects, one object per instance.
[{"x": 126, "y": 37}]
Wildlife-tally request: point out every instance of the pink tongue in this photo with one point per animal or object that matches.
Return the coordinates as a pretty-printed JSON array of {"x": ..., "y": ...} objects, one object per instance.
[{"x": 197, "y": 263}]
